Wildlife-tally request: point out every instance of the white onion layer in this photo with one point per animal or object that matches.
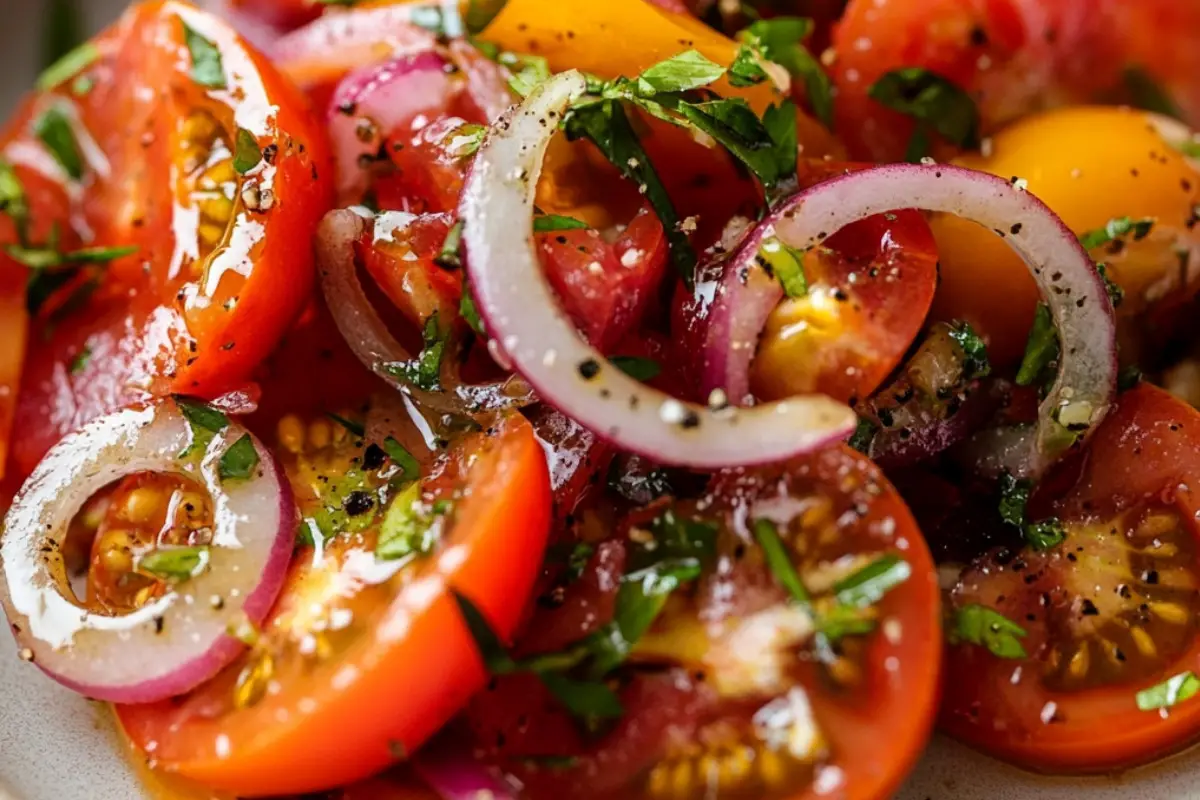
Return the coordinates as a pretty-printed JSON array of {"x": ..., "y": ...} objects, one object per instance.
[
  {"x": 180, "y": 639},
  {"x": 524, "y": 316}
]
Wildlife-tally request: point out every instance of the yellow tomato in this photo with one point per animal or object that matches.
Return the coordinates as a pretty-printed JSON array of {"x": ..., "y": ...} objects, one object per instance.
[{"x": 1090, "y": 165}]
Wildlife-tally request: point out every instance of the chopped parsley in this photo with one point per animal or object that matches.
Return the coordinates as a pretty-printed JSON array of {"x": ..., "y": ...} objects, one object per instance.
[
  {"x": 201, "y": 415},
  {"x": 1115, "y": 229},
  {"x": 863, "y": 436},
  {"x": 746, "y": 69},
  {"x": 781, "y": 39},
  {"x": 174, "y": 564},
  {"x": 410, "y": 468},
  {"x": 80, "y": 361},
  {"x": 13, "y": 203},
  {"x": 68, "y": 66},
  {"x": 63, "y": 31},
  {"x": 937, "y": 104},
  {"x": 779, "y": 561},
  {"x": 207, "y": 67},
  {"x": 528, "y": 72},
  {"x": 980, "y": 625},
  {"x": 1169, "y": 693},
  {"x": 246, "y": 153},
  {"x": 425, "y": 371},
  {"x": 584, "y": 699},
  {"x": 53, "y": 128},
  {"x": 239, "y": 461},
  {"x": 975, "y": 363},
  {"x": 1014, "y": 499},
  {"x": 408, "y": 527},
  {"x": 786, "y": 263},
  {"x": 868, "y": 585},
  {"x": 547, "y": 223},
  {"x": 450, "y": 256},
  {"x": 640, "y": 369},
  {"x": 1116, "y": 295},
  {"x": 468, "y": 311},
  {"x": 1040, "y": 363}
]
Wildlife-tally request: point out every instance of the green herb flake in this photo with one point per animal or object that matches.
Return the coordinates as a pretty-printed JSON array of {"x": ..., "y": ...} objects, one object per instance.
[
  {"x": 407, "y": 529},
  {"x": 529, "y": 72},
  {"x": 786, "y": 263},
  {"x": 1129, "y": 377},
  {"x": 53, "y": 128},
  {"x": 80, "y": 361},
  {"x": 980, "y": 625},
  {"x": 781, "y": 39},
  {"x": 975, "y": 363},
  {"x": 578, "y": 559},
  {"x": 1146, "y": 93},
  {"x": 934, "y": 102},
  {"x": 778, "y": 559},
  {"x": 425, "y": 371},
  {"x": 586, "y": 699},
  {"x": 746, "y": 69},
  {"x": 1040, "y": 362},
  {"x": 1014, "y": 499},
  {"x": 174, "y": 564},
  {"x": 868, "y": 585},
  {"x": 548, "y": 223},
  {"x": 247, "y": 154},
  {"x": 410, "y": 468},
  {"x": 450, "y": 256},
  {"x": 780, "y": 123},
  {"x": 67, "y": 67},
  {"x": 841, "y": 621},
  {"x": 735, "y": 126},
  {"x": 480, "y": 13},
  {"x": 640, "y": 369},
  {"x": 863, "y": 436},
  {"x": 682, "y": 73},
  {"x": 469, "y": 313},
  {"x": 491, "y": 649},
  {"x": 207, "y": 68},
  {"x": 466, "y": 140},
  {"x": 1115, "y": 229},
  {"x": 13, "y": 203},
  {"x": 240, "y": 461},
  {"x": 355, "y": 428},
  {"x": 1116, "y": 295},
  {"x": 200, "y": 415},
  {"x": 1169, "y": 693}
]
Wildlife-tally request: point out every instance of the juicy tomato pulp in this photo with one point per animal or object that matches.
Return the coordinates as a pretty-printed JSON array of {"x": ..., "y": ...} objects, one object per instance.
[
  {"x": 1107, "y": 616},
  {"x": 363, "y": 658},
  {"x": 732, "y": 692},
  {"x": 181, "y": 142}
]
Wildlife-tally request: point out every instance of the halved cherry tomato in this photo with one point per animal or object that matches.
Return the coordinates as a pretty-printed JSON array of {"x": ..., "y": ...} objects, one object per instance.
[
  {"x": 405, "y": 267},
  {"x": 732, "y": 692},
  {"x": 381, "y": 661},
  {"x": 1108, "y": 614},
  {"x": 869, "y": 289},
  {"x": 156, "y": 130}
]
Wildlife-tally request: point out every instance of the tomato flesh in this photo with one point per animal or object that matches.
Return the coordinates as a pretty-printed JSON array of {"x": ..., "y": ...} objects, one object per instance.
[
  {"x": 1109, "y": 613},
  {"x": 340, "y": 642},
  {"x": 215, "y": 279}
]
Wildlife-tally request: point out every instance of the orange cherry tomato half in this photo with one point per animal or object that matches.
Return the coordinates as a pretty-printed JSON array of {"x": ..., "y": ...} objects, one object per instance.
[
  {"x": 355, "y": 669},
  {"x": 179, "y": 141},
  {"x": 1109, "y": 616}
]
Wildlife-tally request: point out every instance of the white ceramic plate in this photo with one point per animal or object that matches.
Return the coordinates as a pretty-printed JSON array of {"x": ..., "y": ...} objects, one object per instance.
[{"x": 56, "y": 746}]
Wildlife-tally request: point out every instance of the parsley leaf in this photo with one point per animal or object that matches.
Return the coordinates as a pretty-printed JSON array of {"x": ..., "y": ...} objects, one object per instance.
[
  {"x": 68, "y": 66},
  {"x": 1116, "y": 229},
  {"x": 606, "y": 125},
  {"x": 410, "y": 468},
  {"x": 493, "y": 652},
  {"x": 80, "y": 361},
  {"x": 780, "y": 124},
  {"x": 201, "y": 415},
  {"x": 246, "y": 154},
  {"x": 640, "y": 369},
  {"x": 426, "y": 370},
  {"x": 746, "y": 69},
  {"x": 547, "y": 223},
  {"x": 863, "y": 436},
  {"x": 982, "y": 626},
  {"x": 12, "y": 200},
  {"x": 174, "y": 564},
  {"x": 684, "y": 72},
  {"x": 1116, "y": 295},
  {"x": 53, "y": 128},
  {"x": 468, "y": 311},
  {"x": 934, "y": 102},
  {"x": 407, "y": 529},
  {"x": 207, "y": 67},
  {"x": 781, "y": 39},
  {"x": 786, "y": 263},
  {"x": 1169, "y": 693},
  {"x": 975, "y": 363},
  {"x": 1014, "y": 498},
  {"x": 450, "y": 256},
  {"x": 587, "y": 699},
  {"x": 778, "y": 559},
  {"x": 1040, "y": 362},
  {"x": 239, "y": 461},
  {"x": 867, "y": 586},
  {"x": 1146, "y": 94},
  {"x": 528, "y": 72}
]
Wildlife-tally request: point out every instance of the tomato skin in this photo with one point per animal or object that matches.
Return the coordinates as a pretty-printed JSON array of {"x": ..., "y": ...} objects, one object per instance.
[
  {"x": 150, "y": 326},
  {"x": 405, "y": 268},
  {"x": 279, "y": 13},
  {"x": 401, "y": 681},
  {"x": 1144, "y": 451}
]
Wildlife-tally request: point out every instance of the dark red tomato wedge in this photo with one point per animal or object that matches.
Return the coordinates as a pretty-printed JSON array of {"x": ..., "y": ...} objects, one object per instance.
[
  {"x": 869, "y": 289},
  {"x": 369, "y": 647},
  {"x": 402, "y": 254},
  {"x": 179, "y": 141},
  {"x": 1101, "y": 644},
  {"x": 739, "y": 689}
]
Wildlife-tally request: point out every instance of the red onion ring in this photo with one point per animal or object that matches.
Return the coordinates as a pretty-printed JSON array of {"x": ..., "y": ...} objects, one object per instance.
[
  {"x": 520, "y": 310},
  {"x": 371, "y": 103},
  {"x": 1064, "y": 272},
  {"x": 369, "y": 337},
  {"x": 179, "y": 640}
]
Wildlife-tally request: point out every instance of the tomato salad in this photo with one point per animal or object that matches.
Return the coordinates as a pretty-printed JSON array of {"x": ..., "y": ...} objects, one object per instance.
[{"x": 626, "y": 399}]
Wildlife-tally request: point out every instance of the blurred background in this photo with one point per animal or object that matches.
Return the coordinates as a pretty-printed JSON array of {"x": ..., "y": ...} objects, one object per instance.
[{"x": 34, "y": 32}]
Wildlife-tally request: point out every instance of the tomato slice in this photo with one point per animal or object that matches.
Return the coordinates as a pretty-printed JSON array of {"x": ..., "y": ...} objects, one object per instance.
[
  {"x": 869, "y": 290},
  {"x": 732, "y": 691},
  {"x": 374, "y": 651},
  {"x": 222, "y": 262},
  {"x": 1108, "y": 615}
]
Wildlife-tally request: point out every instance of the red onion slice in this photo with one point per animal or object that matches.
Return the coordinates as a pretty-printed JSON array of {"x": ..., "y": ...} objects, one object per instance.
[
  {"x": 370, "y": 338},
  {"x": 179, "y": 640},
  {"x": 520, "y": 309}
]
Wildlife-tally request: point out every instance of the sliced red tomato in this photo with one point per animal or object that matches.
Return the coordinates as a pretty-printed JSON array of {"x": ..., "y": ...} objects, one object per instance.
[
  {"x": 405, "y": 265},
  {"x": 606, "y": 287},
  {"x": 869, "y": 289},
  {"x": 373, "y": 650},
  {"x": 734, "y": 649},
  {"x": 1100, "y": 668},
  {"x": 430, "y": 164},
  {"x": 221, "y": 263},
  {"x": 575, "y": 456}
]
